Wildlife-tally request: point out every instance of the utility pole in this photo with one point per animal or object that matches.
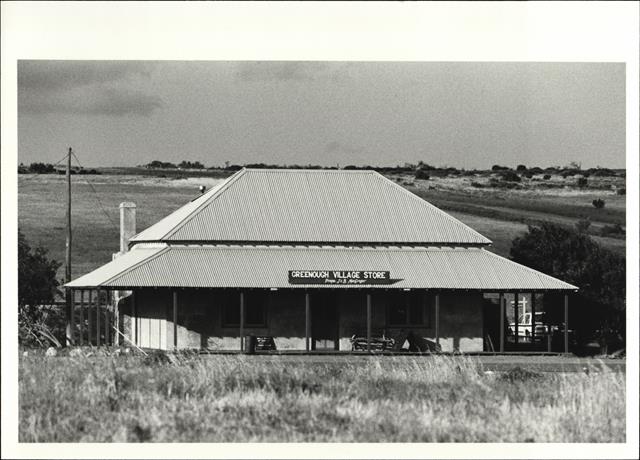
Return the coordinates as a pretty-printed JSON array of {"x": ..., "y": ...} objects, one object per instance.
[{"x": 67, "y": 260}]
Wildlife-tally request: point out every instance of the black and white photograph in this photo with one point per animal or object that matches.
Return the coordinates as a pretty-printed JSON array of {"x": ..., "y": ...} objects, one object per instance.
[{"x": 237, "y": 251}]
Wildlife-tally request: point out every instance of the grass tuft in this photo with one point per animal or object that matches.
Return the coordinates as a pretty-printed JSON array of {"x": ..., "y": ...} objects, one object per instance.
[{"x": 191, "y": 398}]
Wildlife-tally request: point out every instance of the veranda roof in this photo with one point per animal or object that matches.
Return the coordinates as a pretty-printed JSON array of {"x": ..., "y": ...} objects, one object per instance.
[
  {"x": 312, "y": 207},
  {"x": 229, "y": 266}
]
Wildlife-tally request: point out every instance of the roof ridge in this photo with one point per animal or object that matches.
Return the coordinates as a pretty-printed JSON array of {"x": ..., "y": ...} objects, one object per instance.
[
  {"x": 311, "y": 170},
  {"x": 445, "y": 214},
  {"x": 318, "y": 247}
]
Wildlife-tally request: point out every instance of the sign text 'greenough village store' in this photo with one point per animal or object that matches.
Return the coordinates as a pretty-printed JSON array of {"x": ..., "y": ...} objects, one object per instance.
[{"x": 340, "y": 277}]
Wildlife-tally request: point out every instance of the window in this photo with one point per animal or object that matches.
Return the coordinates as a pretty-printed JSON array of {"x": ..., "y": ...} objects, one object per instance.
[
  {"x": 408, "y": 309},
  {"x": 255, "y": 310}
]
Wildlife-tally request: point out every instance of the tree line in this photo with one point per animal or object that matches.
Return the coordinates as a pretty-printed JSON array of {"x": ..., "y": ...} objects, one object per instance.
[{"x": 48, "y": 168}]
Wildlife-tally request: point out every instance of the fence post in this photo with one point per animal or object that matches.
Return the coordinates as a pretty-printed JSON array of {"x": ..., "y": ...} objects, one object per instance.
[
  {"x": 97, "y": 317},
  {"x": 89, "y": 321},
  {"x": 107, "y": 318},
  {"x": 81, "y": 322}
]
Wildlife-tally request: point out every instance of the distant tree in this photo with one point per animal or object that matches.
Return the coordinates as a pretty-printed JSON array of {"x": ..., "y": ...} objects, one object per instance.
[
  {"x": 577, "y": 259},
  {"x": 41, "y": 168},
  {"x": 575, "y": 165},
  {"x": 499, "y": 168},
  {"x": 425, "y": 166},
  {"x": 521, "y": 168},
  {"x": 546, "y": 176},
  {"x": 190, "y": 165},
  {"x": 160, "y": 165}
]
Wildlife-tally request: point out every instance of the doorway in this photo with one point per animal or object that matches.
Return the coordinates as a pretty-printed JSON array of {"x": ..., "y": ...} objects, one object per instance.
[{"x": 324, "y": 321}]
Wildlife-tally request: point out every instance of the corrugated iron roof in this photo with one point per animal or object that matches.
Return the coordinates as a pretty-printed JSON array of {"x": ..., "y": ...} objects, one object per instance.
[
  {"x": 221, "y": 266},
  {"x": 117, "y": 266},
  {"x": 311, "y": 206}
]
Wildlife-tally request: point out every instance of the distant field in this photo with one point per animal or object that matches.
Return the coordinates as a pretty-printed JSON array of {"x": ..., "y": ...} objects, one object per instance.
[
  {"x": 501, "y": 215},
  {"x": 250, "y": 399}
]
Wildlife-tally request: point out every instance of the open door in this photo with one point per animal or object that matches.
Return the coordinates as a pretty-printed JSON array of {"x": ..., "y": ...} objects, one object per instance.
[{"x": 324, "y": 322}]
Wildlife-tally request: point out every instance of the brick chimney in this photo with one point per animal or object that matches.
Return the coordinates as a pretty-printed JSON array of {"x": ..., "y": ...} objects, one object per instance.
[{"x": 127, "y": 224}]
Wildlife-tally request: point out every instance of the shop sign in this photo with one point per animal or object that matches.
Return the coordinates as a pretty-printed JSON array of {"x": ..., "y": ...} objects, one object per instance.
[{"x": 362, "y": 277}]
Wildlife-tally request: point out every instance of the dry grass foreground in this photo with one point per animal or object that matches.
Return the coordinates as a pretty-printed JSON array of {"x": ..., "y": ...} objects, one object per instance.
[{"x": 185, "y": 398}]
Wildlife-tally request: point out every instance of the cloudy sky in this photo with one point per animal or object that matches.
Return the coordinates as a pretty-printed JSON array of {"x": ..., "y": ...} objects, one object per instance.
[{"x": 470, "y": 115}]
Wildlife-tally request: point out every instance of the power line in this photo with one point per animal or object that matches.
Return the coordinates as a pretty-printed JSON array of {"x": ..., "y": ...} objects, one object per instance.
[
  {"x": 96, "y": 194},
  {"x": 82, "y": 167}
]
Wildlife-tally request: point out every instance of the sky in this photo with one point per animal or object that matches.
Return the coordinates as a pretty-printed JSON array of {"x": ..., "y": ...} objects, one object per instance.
[{"x": 462, "y": 114}]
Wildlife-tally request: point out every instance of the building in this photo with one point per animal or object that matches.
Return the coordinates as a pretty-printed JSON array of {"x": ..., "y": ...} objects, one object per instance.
[{"x": 309, "y": 258}]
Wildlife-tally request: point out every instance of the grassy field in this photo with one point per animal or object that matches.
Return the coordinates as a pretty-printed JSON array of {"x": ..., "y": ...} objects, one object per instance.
[
  {"x": 237, "y": 398},
  {"x": 501, "y": 215}
]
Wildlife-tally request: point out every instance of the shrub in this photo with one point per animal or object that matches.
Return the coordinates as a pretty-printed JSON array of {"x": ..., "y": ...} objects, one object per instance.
[
  {"x": 598, "y": 204},
  {"x": 583, "y": 225},
  {"x": 577, "y": 259},
  {"x": 615, "y": 229},
  {"x": 546, "y": 176},
  {"x": 621, "y": 191},
  {"x": 510, "y": 176},
  {"x": 601, "y": 172},
  {"x": 502, "y": 184},
  {"x": 37, "y": 286},
  {"x": 582, "y": 182},
  {"x": 422, "y": 174},
  {"x": 528, "y": 175},
  {"x": 477, "y": 184}
]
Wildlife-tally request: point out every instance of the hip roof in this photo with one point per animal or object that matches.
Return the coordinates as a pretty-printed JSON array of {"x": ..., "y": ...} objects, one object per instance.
[{"x": 310, "y": 206}]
